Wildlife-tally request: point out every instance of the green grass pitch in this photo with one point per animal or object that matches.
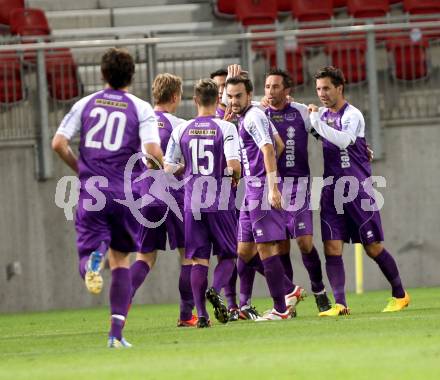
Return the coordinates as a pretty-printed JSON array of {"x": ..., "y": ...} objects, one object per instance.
[{"x": 366, "y": 345}]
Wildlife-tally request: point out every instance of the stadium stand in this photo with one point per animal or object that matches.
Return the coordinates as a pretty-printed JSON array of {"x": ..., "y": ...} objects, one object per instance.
[
  {"x": 11, "y": 89},
  {"x": 62, "y": 75},
  {"x": 224, "y": 8},
  {"x": 421, "y": 6},
  {"x": 312, "y": 10},
  {"x": 283, "y": 6},
  {"x": 350, "y": 57},
  {"x": 251, "y": 12},
  {"x": 29, "y": 22},
  {"x": 370, "y": 9},
  {"x": 339, "y": 3},
  {"x": 6, "y": 6}
]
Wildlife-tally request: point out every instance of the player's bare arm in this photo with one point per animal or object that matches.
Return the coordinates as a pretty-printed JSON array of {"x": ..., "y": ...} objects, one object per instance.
[
  {"x": 154, "y": 156},
  {"x": 270, "y": 165},
  {"x": 279, "y": 144},
  {"x": 234, "y": 168},
  {"x": 60, "y": 144}
]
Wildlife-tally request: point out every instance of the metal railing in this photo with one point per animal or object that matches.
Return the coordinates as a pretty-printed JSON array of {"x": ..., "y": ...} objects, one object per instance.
[{"x": 392, "y": 70}]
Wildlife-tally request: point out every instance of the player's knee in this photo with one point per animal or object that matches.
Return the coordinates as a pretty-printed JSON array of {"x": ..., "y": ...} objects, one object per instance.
[
  {"x": 305, "y": 244},
  {"x": 149, "y": 258},
  {"x": 333, "y": 248},
  {"x": 374, "y": 249}
]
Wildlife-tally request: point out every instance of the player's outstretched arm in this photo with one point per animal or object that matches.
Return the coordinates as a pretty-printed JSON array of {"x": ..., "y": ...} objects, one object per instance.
[
  {"x": 60, "y": 144},
  {"x": 342, "y": 139}
]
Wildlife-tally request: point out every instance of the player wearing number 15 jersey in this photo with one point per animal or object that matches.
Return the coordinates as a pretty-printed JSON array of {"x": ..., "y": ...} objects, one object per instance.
[
  {"x": 113, "y": 125},
  {"x": 208, "y": 146}
]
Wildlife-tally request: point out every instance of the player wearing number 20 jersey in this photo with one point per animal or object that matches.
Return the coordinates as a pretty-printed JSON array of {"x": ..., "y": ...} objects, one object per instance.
[{"x": 113, "y": 125}]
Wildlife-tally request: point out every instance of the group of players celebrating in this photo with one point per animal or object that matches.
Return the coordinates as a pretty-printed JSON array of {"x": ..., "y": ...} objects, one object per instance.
[{"x": 232, "y": 144}]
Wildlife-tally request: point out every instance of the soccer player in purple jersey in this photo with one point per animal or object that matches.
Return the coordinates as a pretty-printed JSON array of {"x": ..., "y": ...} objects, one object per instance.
[
  {"x": 348, "y": 208},
  {"x": 167, "y": 93},
  {"x": 291, "y": 119},
  {"x": 260, "y": 227},
  {"x": 113, "y": 125},
  {"x": 219, "y": 77},
  {"x": 210, "y": 149}
]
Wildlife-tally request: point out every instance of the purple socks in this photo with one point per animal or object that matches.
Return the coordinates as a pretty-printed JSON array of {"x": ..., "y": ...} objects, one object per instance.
[
  {"x": 138, "y": 271},
  {"x": 275, "y": 281},
  {"x": 186, "y": 295},
  {"x": 120, "y": 295},
  {"x": 199, "y": 284},
  {"x": 336, "y": 276},
  {"x": 313, "y": 265},
  {"x": 388, "y": 266}
]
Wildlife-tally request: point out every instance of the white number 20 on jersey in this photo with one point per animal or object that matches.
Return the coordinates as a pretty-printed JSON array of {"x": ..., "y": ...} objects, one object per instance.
[
  {"x": 198, "y": 151},
  {"x": 116, "y": 119}
]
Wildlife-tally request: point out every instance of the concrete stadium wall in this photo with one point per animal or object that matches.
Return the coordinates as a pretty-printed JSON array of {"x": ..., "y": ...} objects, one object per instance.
[{"x": 34, "y": 232}]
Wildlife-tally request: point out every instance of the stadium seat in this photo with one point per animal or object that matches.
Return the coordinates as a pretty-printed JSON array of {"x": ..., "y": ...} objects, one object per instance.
[
  {"x": 368, "y": 9},
  {"x": 339, "y": 3},
  {"x": 5, "y": 8},
  {"x": 256, "y": 12},
  {"x": 29, "y": 22},
  {"x": 225, "y": 8},
  {"x": 425, "y": 7},
  {"x": 312, "y": 10},
  {"x": 294, "y": 64},
  {"x": 416, "y": 7},
  {"x": 349, "y": 56},
  {"x": 284, "y": 6},
  {"x": 11, "y": 85},
  {"x": 62, "y": 75},
  {"x": 409, "y": 59}
]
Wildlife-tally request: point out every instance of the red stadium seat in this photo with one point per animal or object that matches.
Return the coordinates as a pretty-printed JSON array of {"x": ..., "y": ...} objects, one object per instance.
[
  {"x": 11, "y": 85},
  {"x": 350, "y": 57},
  {"x": 62, "y": 75},
  {"x": 256, "y": 12},
  {"x": 294, "y": 64},
  {"x": 409, "y": 59},
  {"x": 368, "y": 9},
  {"x": 416, "y": 7},
  {"x": 284, "y": 5},
  {"x": 312, "y": 10},
  {"x": 29, "y": 22},
  {"x": 5, "y": 8},
  {"x": 225, "y": 8},
  {"x": 339, "y": 3},
  {"x": 422, "y": 7}
]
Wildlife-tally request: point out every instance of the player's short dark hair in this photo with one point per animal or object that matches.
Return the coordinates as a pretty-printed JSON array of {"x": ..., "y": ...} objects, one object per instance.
[
  {"x": 287, "y": 79},
  {"x": 219, "y": 73},
  {"x": 117, "y": 68},
  {"x": 206, "y": 92},
  {"x": 165, "y": 86},
  {"x": 241, "y": 79},
  {"x": 336, "y": 75}
]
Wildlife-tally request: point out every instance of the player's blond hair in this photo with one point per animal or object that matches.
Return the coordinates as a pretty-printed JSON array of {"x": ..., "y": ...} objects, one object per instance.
[{"x": 165, "y": 86}]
